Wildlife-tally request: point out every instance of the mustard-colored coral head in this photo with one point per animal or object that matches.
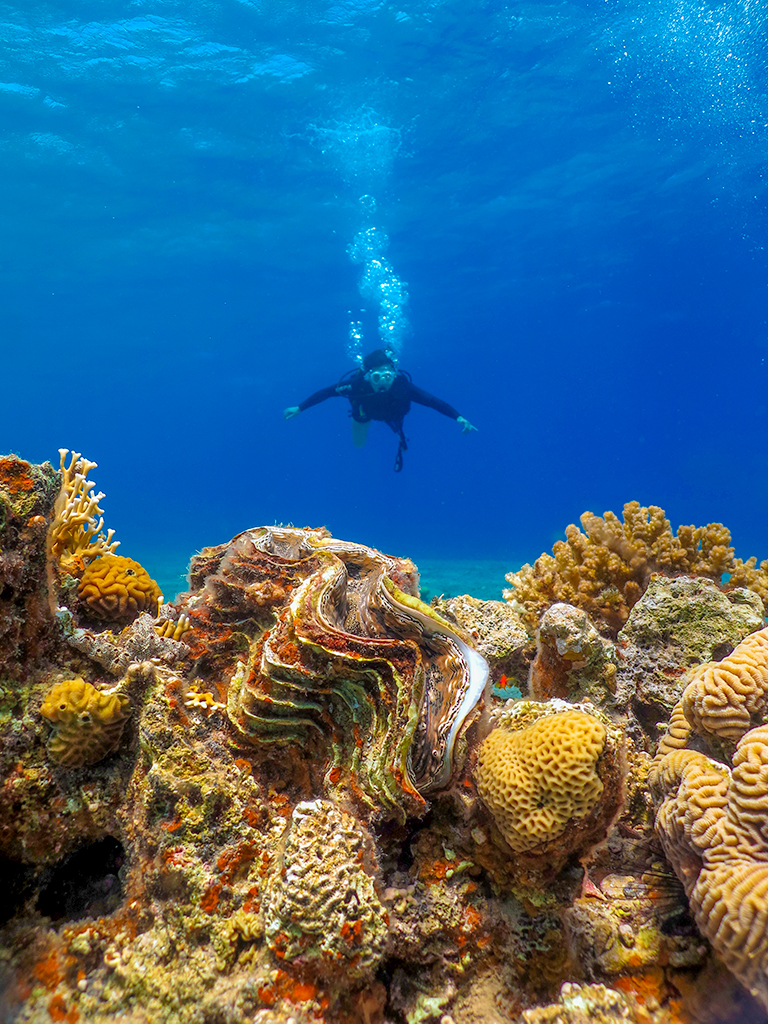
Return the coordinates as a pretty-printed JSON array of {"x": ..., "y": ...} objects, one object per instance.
[
  {"x": 88, "y": 723},
  {"x": 117, "y": 589},
  {"x": 538, "y": 779}
]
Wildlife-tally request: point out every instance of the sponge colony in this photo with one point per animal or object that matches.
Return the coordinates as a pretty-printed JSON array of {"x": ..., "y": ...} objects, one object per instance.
[
  {"x": 117, "y": 589},
  {"x": 537, "y": 780},
  {"x": 88, "y": 723}
]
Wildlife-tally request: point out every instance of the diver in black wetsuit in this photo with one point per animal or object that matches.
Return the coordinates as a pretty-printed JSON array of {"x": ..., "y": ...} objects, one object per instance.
[{"x": 379, "y": 391}]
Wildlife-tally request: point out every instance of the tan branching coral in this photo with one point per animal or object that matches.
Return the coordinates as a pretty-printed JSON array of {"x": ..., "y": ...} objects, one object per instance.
[
  {"x": 75, "y": 537},
  {"x": 539, "y": 777},
  {"x": 88, "y": 723},
  {"x": 117, "y": 589},
  {"x": 605, "y": 569},
  {"x": 712, "y": 824}
]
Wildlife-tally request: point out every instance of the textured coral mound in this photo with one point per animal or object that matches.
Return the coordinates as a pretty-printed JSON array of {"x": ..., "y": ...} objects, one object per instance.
[
  {"x": 606, "y": 569},
  {"x": 117, "y": 589},
  {"x": 88, "y": 723},
  {"x": 712, "y": 824},
  {"x": 723, "y": 699},
  {"x": 323, "y": 910},
  {"x": 537, "y": 780}
]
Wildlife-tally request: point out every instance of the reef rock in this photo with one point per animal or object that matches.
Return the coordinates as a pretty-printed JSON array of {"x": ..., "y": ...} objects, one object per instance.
[{"x": 677, "y": 624}]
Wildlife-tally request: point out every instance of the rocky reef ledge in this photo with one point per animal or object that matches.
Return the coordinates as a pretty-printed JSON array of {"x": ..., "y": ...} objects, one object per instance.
[{"x": 300, "y": 795}]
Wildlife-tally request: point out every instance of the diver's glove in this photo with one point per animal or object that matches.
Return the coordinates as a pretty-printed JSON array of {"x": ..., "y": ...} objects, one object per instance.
[
  {"x": 465, "y": 425},
  {"x": 290, "y": 412}
]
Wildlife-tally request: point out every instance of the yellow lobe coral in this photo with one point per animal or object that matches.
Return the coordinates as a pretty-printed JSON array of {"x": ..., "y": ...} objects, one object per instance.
[
  {"x": 87, "y": 723},
  {"x": 537, "y": 780},
  {"x": 117, "y": 589}
]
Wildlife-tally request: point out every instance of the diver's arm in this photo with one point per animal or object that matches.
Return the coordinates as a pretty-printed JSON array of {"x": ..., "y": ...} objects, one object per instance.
[
  {"x": 424, "y": 398},
  {"x": 319, "y": 396}
]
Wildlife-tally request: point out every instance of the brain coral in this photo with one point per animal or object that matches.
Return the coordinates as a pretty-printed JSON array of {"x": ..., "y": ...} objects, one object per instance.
[
  {"x": 117, "y": 589},
  {"x": 540, "y": 779},
  {"x": 323, "y": 910},
  {"x": 723, "y": 699},
  {"x": 88, "y": 723},
  {"x": 712, "y": 824},
  {"x": 606, "y": 569}
]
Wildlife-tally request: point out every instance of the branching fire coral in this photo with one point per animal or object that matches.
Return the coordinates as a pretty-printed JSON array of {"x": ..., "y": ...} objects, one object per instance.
[
  {"x": 76, "y": 533},
  {"x": 605, "y": 569}
]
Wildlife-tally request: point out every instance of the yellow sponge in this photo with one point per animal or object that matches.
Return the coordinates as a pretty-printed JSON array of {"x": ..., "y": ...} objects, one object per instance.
[{"x": 88, "y": 722}]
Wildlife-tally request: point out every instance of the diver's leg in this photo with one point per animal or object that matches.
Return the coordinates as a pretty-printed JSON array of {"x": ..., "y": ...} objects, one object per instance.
[{"x": 359, "y": 433}]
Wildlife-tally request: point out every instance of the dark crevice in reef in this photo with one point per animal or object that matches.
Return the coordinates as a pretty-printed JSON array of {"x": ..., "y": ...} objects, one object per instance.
[
  {"x": 84, "y": 884},
  {"x": 16, "y": 887}
]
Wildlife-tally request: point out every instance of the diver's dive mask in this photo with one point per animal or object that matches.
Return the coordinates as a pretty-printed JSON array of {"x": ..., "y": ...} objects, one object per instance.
[{"x": 381, "y": 378}]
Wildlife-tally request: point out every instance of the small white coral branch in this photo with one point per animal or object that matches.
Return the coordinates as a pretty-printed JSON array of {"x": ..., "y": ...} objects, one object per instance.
[{"x": 76, "y": 531}]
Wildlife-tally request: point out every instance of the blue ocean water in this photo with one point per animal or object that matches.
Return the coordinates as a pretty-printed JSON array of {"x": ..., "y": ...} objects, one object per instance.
[{"x": 554, "y": 211}]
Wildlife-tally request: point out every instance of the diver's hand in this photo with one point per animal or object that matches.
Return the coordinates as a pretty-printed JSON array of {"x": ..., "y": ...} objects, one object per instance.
[
  {"x": 465, "y": 425},
  {"x": 343, "y": 389},
  {"x": 290, "y": 412}
]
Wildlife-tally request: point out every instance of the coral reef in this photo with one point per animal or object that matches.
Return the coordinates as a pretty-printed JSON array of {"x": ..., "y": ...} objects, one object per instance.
[
  {"x": 723, "y": 699},
  {"x": 676, "y": 625},
  {"x": 572, "y": 660},
  {"x": 88, "y": 723},
  {"x": 117, "y": 589},
  {"x": 606, "y": 569},
  {"x": 292, "y": 825}
]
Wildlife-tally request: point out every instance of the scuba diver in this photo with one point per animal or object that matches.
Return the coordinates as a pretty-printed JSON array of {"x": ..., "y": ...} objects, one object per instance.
[{"x": 379, "y": 391}]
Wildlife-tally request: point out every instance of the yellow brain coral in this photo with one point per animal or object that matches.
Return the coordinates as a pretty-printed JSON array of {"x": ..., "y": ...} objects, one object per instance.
[
  {"x": 117, "y": 589},
  {"x": 712, "y": 824},
  {"x": 538, "y": 779},
  {"x": 606, "y": 569},
  {"x": 88, "y": 723}
]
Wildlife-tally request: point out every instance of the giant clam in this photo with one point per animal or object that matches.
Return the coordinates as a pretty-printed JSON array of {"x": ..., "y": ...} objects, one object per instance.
[{"x": 336, "y": 648}]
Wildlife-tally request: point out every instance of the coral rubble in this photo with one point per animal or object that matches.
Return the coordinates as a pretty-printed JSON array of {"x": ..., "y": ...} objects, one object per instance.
[{"x": 299, "y": 795}]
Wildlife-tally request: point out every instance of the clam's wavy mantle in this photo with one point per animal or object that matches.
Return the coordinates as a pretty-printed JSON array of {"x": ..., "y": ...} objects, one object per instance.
[{"x": 345, "y": 654}]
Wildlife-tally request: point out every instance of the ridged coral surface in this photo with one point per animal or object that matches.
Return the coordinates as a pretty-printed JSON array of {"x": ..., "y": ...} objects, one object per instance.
[
  {"x": 87, "y": 723},
  {"x": 713, "y": 824},
  {"x": 351, "y": 662},
  {"x": 117, "y": 589},
  {"x": 537, "y": 780},
  {"x": 723, "y": 699},
  {"x": 324, "y": 911}
]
